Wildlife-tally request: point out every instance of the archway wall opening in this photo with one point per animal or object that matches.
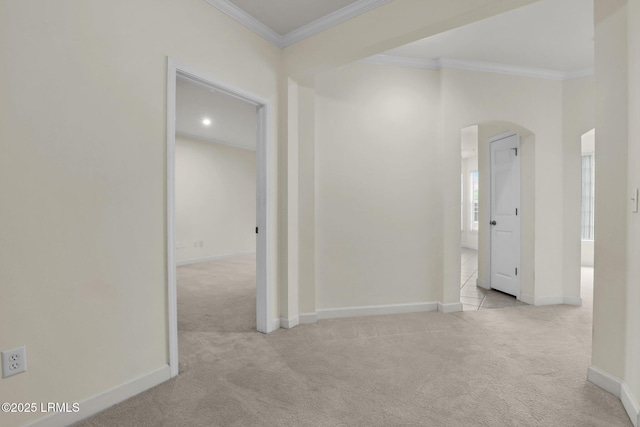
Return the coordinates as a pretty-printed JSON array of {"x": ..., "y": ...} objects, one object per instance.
[{"x": 533, "y": 108}]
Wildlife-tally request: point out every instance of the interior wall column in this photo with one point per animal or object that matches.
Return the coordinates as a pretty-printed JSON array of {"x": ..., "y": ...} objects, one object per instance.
[
  {"x": 306, "y": 200},
  {"x": 610, "y": 249}
]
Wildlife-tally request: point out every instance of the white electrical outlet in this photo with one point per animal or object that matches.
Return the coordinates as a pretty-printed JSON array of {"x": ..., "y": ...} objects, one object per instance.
[{"x": 14, "y": 361}]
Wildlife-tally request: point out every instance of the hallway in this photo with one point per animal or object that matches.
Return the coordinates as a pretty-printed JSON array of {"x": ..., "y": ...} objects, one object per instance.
[{"x": 521, "y": 365}]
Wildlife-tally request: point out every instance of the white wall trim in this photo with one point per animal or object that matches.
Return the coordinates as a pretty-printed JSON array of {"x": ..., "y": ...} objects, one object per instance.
[
  {"x": 531, "y": 300},
  {"x": 619, "y": 389},
  {"x": 604, "y": 380},
  {"x": 549, "y": 300},
  {"x": 527, "y": 299},
  {"x": 630, "y": 405},
  {"x": 190, "y": 261},
  {"x": 577, "y": 301},
  {"x": 213, "y": 141},
  {"x": 483, "y": 66},
  {"x": 106, "y": 399},
  {"x": 267, "y": 225},
  {"x": 402, "y": 61},
  {"x": 275, "y": 325},
  {"x": 331, "y": 20},
  {"x": 308, "y": 30},
  {"x": 374, "y": 310},
  {"x": 452, "y": 307},
  {"x": 247, "y": 20},
  {"x": 482, "y": 284},
  {"x": 491, "y": 67},
  {"x": 308, "y": 318},
  {"x": 289, "y": 323}
]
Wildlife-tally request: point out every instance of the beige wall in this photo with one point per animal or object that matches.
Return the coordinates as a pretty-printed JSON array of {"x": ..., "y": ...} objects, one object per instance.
[
  {"x": 610, "y": 273},
  {"x": 534, "y": 104},
  {"x": 82, "y": 177},
  {"x": 215, "y": 200},
  {"x": 354, "y": 265},
  {"x": 378, "y": 209},
  {"x": 578, "y": 118},
  {"x": 616, "y": 343},
  {"x": 632, "y": 372}
]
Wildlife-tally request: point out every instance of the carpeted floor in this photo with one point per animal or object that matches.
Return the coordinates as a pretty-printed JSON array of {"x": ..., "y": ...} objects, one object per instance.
[{"x": 515, "y": 366}]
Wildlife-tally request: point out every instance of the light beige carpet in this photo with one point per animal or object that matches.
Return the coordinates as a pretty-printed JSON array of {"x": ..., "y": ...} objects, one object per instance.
[{"x": 515, "y": 366}]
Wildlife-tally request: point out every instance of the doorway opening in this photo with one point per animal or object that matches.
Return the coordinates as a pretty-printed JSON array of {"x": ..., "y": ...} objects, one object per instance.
[
  {"x": 223, "y": 182},
  {"x": 471, "y": 296},
  {"x": 479, "y": 289},
  {"x": 587, "y": 217}
]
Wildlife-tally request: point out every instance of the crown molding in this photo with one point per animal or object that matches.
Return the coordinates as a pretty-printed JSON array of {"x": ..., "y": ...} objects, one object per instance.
[
  {"x": 491, "y": 67},
  {"x": 308, "y": 30},
  {"x": 330, "y": 20},
  {"x": 247, "y": 20},
  {"x": 462, "y": 64}
]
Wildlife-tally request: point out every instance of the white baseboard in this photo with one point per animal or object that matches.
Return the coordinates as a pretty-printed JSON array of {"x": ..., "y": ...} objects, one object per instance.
[
  {"x": 605, "y": 381},
  {"x": 308, "y": 318},
  {"x": 289, "y": 323},
  {"x": 275, "y": 325},
  {"x": 630, "y": 405},
  {"x": 618, "y": 388},
  {"x": 572, "y": 301},
  {"x": 482, "y": 284},
  {"x": 527, "y": 299},
  {"x": 549, "y": 300},
  {"x": 452, "y": 307},
  {"x": 106, "y": 399},
  {"x": 189, "y": 261},
  {"x": 373, "y": 310},
  {"x": 531, "y": 300}
]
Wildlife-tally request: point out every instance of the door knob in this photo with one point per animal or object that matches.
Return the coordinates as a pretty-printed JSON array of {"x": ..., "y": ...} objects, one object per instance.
[{"x": 493, "y": 223}]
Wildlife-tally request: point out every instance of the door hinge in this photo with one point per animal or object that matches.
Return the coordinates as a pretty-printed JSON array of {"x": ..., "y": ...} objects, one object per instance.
[
  {"x": 516, "y": 271},
  {"x": 256, "y": 230}
]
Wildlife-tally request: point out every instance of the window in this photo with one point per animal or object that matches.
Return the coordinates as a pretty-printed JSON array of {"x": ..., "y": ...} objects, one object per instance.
[
  {"x": 474, "y": 200},
  {"x": 588, "y": 196}
]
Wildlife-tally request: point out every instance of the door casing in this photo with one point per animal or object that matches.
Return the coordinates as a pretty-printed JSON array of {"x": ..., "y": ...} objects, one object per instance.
[{"x": 264, "y": 222}]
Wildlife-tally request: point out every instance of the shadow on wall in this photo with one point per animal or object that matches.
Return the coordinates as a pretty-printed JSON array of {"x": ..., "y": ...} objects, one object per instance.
[{"x": 486, "y": 130}]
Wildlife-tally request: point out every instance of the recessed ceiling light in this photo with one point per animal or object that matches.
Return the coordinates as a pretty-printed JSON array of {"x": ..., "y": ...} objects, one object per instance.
[{"x": 206, "y": 121}]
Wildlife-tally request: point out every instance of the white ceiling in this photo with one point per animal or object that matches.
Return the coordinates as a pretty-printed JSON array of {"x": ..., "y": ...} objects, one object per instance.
[
  {"x": 233, "y": 122},
  {"x": 284, "y": 16},
  {"x": 551, "y": 34}
]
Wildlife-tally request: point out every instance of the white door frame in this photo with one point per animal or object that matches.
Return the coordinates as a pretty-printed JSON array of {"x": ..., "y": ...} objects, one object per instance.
[
  {"x": 489, "y": 258},
  {"x": 265, "y": 224}
]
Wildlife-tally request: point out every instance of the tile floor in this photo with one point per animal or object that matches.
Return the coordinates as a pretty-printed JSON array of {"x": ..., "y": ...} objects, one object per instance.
[{"x": 476, "y": 298}]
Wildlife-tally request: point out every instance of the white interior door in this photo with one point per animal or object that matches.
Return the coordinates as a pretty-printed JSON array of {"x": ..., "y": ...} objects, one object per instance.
[{"x": 505, "y": 214}]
